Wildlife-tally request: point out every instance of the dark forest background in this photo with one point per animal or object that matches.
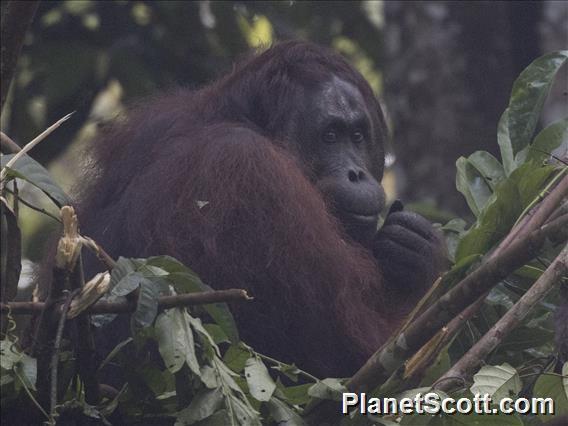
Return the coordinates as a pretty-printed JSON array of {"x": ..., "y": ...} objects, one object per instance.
[{"x": 444, "y": 71}]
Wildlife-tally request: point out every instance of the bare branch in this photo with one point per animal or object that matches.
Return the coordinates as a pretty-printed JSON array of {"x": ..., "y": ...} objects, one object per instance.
[
  {"x": 398, "y": 349},
  {"x": 550, "y": 208},
  {"x": 512, "y": 318},
  {"x": 164, "y": 302},
  {"x": 55, "y": 357}
]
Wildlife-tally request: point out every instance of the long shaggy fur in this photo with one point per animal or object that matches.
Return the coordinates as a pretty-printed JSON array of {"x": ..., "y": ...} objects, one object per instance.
[{"x": 319, "y": 301}]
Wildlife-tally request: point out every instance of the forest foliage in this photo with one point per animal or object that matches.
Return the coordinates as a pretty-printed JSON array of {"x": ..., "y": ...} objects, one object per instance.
[
  {"x": 208, "y": 376},
  {"x": 204, "y": 374}
]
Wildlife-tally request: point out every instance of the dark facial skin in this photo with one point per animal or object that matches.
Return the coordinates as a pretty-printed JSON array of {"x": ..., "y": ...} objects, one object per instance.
[
  {"x": 340, "y": 143},
  {"x": 341, "y": 147}
]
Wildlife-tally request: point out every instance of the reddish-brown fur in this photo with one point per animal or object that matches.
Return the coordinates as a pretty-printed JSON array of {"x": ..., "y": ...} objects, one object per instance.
[{"x": 318, "y": 301}]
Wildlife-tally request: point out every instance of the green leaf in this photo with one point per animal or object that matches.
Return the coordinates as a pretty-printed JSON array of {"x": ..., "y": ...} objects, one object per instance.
[
  {"x": 27, "y": 370},
  {"x": 236, "y": 357},
  {"x": 506, "y": 204},
  {"x": 477, "y": 177},
  {"x": 243, "y": 414},
  {"x": 185, "y": 280},
  {"x": 261, "y": 385},
  {"x": 220, "y": 418},
  {"x": 202, "y": 406},
  {"x": 202, "y": 332},
  {"x": 528, "y": 95},
  {"x": 437, "y": 368},
  {"x": 12, "y": 360},
  {"x": 328, "y": 389},
  {"x": 31, "y": 171},
  {"x": 9, "y": 356},
  {"x": 217, "y": 333},
  {"x": 531, "y": 181},
  {"x": 555, "y": 387},
  {"x": 124, "y": 277},
  {"x": 505, "y": 146},
  {"x": 175, "y": 341},
  {"x": 289, "y": 370},
  {"x": 295, "y": 395},
  {"x": 545, "y": 143},
  {"x": 283, "y": 414},
  {"x": 489, "y": 168},
  {"x": 147, "y": 305},
  {"x": 499, "y": 381},
  {"x": 472, "y": 185},
  {"x": 209, "y": 377},
  {"x": 494, "y": 221}
]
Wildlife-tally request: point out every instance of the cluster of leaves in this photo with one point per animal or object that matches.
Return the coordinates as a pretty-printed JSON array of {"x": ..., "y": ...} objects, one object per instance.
[
  {"x": 229, "y": 386},
  {"x": 499, "y": 195}
]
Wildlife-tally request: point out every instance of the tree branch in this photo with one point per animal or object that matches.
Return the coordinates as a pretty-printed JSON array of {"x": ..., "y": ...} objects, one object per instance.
[
  {"x": 54, "y": 364},
  {"x": 550, "y": 208},
  {"x": 512, "y": 318},
  {"x": 164, "y": 302},
  {"x": 395, "y": 352}
]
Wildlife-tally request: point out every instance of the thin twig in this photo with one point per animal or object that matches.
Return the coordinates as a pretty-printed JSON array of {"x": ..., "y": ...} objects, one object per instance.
[
  {"x": 101, "y": 254},
  {"x": 55, "y": 354}
]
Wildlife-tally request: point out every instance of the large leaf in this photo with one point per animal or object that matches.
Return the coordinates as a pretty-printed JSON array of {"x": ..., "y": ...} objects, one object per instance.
[
  {"x": 202, "y": 406},
  {"x": 283, "y": 414},
  {"x": 241, "y": 412},
  {"x": 546, "y": 142},
  {"x": 505, "y": 146},
  {"x": 489, "y": 168},
  {"x": 31, "y": 171},
  {"x": 261, "y": 385},
  {"x": 185, "y": 280},
  {"x": 147, "y": 305},
  {"x": 12, "y": 360},
  {"x": 175, "y": 341},
  {"x": 504, "y": 207},
  {"x": 528, "y": 95},
  {"x": 477, "y": 177},
  {"x": 555, "y": 387},
  {"x": 499, "y": 381},
  {"x": 493, "y": 223},
  {"x": 472, "y": 185},
  {"x": 328, "y": 389},
  {"x": 236, "y": 358},
  {"x": 124, "y": 279}
]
